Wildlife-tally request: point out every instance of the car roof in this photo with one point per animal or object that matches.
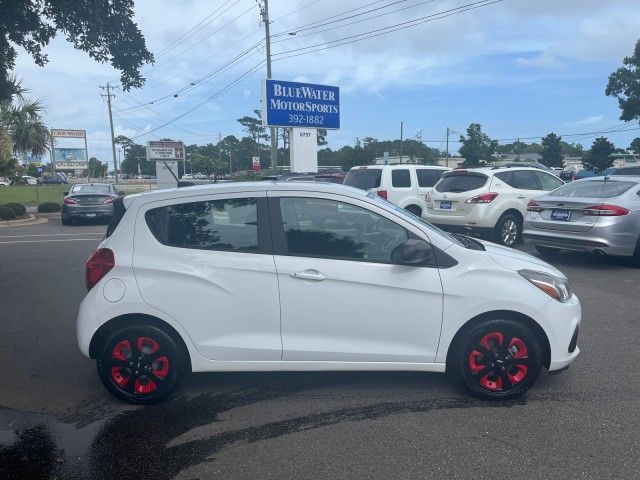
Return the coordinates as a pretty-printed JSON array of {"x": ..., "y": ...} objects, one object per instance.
[
  {"x": 493, "y": 170},
  {"x": 399, "y": 165},
  {"x": 243, "y": 187},
  {"x": 90, "y": 184}
]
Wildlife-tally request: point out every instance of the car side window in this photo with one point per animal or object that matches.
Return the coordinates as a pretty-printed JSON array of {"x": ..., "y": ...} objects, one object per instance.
[
  {"x": 428, "y": 177},
  {"x": 323, "y": 228},
  {"x": 525, "y": 180},
  {"x": 548, "y": 182},
  {"x": 506, "y": 177},
  {"x": 400, "y": 178},
  {"x": 228, "y": 225}
]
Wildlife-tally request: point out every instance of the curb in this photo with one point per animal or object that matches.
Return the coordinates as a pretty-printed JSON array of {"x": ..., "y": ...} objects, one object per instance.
[{"x": 32, "y": 220}]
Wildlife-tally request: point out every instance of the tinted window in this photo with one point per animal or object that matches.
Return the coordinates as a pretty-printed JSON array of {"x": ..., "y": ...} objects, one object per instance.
[
  {"x": 457, "y": 182},
  {"x": 364, "y": 178},
  {"x": 90, "y": 189},
  {"x": 548, "y": 182},
  {"x": 230, "y": 224},
  {"x": 506, "y": 177},
  {"x": 593, "y": 189},
  {"x": 330, "y": 229},
  {"x": 428, "y": 177},
  {"x": 525, "y": 180},
  {"x": 400, "y": 178},
  {"x": 627, "y": 171}
]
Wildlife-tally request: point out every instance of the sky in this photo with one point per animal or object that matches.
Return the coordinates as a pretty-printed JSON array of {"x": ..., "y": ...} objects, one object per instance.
[{"x": 520, "y": 68}]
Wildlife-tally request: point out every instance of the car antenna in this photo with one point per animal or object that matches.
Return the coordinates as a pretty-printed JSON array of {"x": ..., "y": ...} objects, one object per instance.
[{"x": 178, "y": 182}]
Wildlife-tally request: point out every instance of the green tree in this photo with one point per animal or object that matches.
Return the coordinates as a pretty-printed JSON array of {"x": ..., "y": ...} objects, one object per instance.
[
  {"x": 551, "y": 151},
  {"x": 624, "y": 84},
  {"x": 322, "y": 137},
  {"x": 635, "y": 146},
  {"x": 7, "y": 160},
  {"x": 476, "y": 146},
  {"x": 135, "y": 157},
  {"x": 23, "y": 121},
  {"x": 599, "y": 156},
  {"x": 102, "y": 28},
  {"x": 253, "y": 126},
  {"x": 96, "y": 168}
]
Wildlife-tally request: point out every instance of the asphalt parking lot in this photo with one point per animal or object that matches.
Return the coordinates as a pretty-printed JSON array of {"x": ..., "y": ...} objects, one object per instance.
[{"x": 57, "y": 421}]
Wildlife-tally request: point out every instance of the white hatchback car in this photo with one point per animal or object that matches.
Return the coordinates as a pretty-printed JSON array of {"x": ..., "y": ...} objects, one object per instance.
[
  {"x": 405, "y": 185},
  {"x": 311, "y": 276},
  {"x": 488, "y": 201}
]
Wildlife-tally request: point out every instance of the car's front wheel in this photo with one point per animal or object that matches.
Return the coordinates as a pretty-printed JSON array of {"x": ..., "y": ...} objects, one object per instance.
[
  {"x": 140, "y": 364},
  {"x": 498, "y": 359}
]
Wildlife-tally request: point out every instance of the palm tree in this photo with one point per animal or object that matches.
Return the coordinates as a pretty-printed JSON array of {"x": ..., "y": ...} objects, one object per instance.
[{"x": 24, "y": 123}]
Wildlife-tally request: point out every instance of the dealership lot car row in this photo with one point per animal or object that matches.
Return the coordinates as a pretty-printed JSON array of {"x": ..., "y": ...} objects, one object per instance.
[{"x": 222, "y": 277}]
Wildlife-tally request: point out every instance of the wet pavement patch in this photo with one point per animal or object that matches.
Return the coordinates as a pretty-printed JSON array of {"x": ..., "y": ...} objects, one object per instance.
[{"x": 141, "y": 443}]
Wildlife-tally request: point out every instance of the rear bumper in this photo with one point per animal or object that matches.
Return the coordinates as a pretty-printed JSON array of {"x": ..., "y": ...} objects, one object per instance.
[
  {"x": 87, "y": 211},
  {"x": 605, "y": 240},
  {"x": 480, "y": 217}
]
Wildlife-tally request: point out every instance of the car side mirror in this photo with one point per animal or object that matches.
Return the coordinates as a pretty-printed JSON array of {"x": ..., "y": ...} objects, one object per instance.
[
  {"x": 412, "y": 253},
  {"x": 65, "y": 193}
]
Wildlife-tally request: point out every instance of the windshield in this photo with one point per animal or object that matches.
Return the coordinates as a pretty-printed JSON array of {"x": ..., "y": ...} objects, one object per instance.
[
  {"x": 364, "y": 178},
  {"x": 91, "y": 189},
  {"x": 593, "y": 189},
  {"x": 408, "y": 214}
]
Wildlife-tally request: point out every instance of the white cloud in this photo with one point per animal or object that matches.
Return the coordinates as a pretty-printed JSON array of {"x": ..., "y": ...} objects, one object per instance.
[
  {"x": 586, "y": 121},
  {"x": 543, "y": 60}
]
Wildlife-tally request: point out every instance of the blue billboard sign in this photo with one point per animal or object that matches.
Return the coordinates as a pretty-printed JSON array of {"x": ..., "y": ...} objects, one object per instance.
[{"x": 301, "y": 105}]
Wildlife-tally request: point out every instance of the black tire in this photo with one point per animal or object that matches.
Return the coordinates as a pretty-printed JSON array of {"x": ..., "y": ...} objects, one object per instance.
[
  {"x": 64, "y": 220},
  {"x": 547, "y": 251},
  {"x": 508, "y": 230},
  {"x": 140, "y": 376},
  {"x": 635, "y": 260},
  {"x": 497, "y": 373},
  {"x": 416, "y": 210}
]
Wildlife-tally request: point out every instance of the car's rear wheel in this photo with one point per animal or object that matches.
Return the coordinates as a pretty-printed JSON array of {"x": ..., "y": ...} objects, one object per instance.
[
  {"x": 498, "y": 359},
  {"x": 635, "y": 260},
  {"x": 64, "y": 220},
  {"x": 547, "y": 251},
  {"x": 140, "y": 364},
  {"x": 508, "y": 230}
]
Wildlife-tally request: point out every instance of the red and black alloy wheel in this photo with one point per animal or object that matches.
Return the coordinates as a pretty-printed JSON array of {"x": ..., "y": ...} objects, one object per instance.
[
  {"x": 140, "y": 364},
  {"x": 499, "y": 359}
]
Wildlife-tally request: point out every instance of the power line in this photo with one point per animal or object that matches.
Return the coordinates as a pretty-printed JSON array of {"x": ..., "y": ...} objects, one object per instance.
[
  {"x": 386, "y": 30},
  {"x": 223, "y": 90}
]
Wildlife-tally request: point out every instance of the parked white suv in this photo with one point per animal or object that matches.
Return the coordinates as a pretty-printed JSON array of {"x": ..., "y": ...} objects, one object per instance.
[
  {"x": 488, "y": 201},
  {"x": 312, "y": 276},
  {"x": 405, "y": 185}
]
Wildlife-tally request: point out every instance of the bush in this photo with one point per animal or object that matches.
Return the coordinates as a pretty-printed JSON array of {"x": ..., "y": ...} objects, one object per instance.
[
  {"x": 49, "y": 207},
  {"x": 6, "y": 213},
  {"x": 18, "y": 208}
]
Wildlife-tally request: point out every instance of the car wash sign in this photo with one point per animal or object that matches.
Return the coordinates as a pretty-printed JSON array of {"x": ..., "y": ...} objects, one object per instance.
[{"x": 300, "y": 105}]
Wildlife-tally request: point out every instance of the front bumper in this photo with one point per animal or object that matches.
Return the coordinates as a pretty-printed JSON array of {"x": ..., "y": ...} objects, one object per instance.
[{"x": 561, "y": 322}]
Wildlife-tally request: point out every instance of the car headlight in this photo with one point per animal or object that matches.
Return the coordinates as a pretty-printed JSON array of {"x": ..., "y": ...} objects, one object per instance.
[{"x": 556, "y": 287}]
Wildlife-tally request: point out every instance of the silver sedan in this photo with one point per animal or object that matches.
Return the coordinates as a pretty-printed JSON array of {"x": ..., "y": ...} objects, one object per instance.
[{"x": 597, "y": 214}]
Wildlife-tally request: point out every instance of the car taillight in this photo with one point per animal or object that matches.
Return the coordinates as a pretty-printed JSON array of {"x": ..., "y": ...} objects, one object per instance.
[
  {"x": 484, "y": 198},
  {"x": 534, "y": 207},
  {"x": 69, "y": 201},
  {"x": 605, "y": 211},
  {"x": 383, "y": 194},
  {"x": 109, "y": 200},
  {"x": 98, "y": 265}
]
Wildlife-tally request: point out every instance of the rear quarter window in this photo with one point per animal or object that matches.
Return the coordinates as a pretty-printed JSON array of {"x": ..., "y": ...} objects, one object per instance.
[
  {"x": 428, "y": 177},
  {"x": 400, "y": 178},
  {"x": 458, "y": 182}
]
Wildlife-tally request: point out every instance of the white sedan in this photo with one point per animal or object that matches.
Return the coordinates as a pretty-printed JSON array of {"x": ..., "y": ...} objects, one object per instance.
[{"x": 274, "y": 276}]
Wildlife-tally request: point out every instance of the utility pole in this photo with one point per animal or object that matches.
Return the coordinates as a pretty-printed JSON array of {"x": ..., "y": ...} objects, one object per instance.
[
  {"x": 401, "y": 139},
  {"x": 113, "y": 142},
  {"x": 53, "y": 157},
  {"x": 447, "y": 151},
  {"x": 264, "y": 11}
]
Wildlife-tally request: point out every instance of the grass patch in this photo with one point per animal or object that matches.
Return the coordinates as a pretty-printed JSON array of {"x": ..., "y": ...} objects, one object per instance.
[{"x": 26, "y": 194}]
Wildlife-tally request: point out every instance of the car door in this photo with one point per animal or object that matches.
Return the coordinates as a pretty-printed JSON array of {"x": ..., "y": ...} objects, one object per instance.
[
  {"x": 526, "y": 187},
  {"x": 207, "y": 262},
  {"x": 342, "y": 300},
  {"x": 404, "y": 188}
]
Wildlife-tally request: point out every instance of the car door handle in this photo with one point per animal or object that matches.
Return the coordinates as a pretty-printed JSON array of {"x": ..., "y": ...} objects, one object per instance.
[
  {"x": 309, "y": 275},
  {"x": 520, "y": 196}
]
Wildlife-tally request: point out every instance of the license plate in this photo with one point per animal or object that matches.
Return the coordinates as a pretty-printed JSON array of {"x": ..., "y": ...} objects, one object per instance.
[
  {"x": 564, "y": 215},
  {"x": 91, "y": 215},
  {"x": 445, "y": 205}
]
